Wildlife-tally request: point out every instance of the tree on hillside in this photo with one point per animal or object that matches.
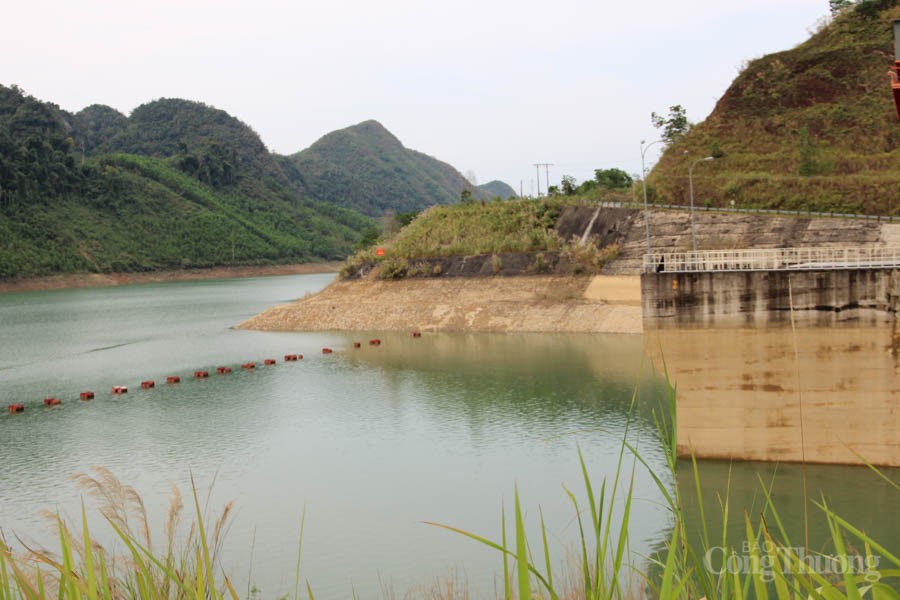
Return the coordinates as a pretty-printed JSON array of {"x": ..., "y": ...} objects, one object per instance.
[
  {"x": 674, "y": 126},
  {"x": 569, "y": 185},
  {"x": 612, "y": 179},
  {"x": 838, "y": 6}
]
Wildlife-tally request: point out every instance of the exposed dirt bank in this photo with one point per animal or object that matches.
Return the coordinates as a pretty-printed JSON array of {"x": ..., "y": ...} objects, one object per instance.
[
  {"x": 540, "y": 303},
  {"x": 78, "y": 280}
]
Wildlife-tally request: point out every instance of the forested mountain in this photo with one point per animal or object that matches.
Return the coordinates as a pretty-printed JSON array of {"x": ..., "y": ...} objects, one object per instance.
[
  {"x": 180, "y": 183},
  {"x": 811, "y": 128},
  {"x": 366, "y": 168},
  {"x": 497, "y": 189},
  {"x": 197, "y": 197}
]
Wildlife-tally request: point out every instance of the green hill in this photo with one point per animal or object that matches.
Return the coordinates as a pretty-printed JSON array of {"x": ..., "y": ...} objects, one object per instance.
[
  {"x": 206, "y": 193},
  {"x": 182, "y": 184},
  {"x": 497, "y": 189},
  {"x": 366, "y": 168},
  {"x": 813, "y": 127}
]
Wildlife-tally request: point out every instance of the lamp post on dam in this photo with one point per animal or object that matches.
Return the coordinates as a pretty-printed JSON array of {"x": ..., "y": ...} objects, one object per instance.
[{"x": 644, "y": 185}]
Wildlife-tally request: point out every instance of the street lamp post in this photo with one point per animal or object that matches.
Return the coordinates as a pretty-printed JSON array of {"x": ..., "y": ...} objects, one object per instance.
[
  {"x": 644, "y": 185},
  {"x": 691, "y": 181}
]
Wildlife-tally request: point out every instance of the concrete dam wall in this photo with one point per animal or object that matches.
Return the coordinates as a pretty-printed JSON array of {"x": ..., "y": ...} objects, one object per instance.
[
  {"x": 761, "y": 298},
  {"x": 753, "y": 385}
]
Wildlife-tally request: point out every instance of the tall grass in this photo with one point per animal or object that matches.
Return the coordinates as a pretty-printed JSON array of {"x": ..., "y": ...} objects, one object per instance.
[{"x": 187, "y": 568}]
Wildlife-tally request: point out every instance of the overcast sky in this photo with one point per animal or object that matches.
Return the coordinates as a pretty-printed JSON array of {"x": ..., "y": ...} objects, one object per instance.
[{"x": 488, "y": 86}]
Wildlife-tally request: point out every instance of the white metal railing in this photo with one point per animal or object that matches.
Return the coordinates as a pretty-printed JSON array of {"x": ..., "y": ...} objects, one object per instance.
[{"x": 774, "y": 259}]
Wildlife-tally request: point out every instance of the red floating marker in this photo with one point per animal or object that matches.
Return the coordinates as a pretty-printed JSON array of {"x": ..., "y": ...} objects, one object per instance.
[
  {"x": 356, "y": 344},
  {"x": 223, "y": 370},
  {"x": 148, "y": 384},
  {"x": 375, "y": 342},
  {"x": 16, "y": 408},
  {"x": 327, "y": 350},
  {"x": 201, "y": 374},
  {"x": 52, "y": 401},
  {"x": 87, "y": 395},
  {"x": 290, "y": 357},
  {"x": 248, "y": 365},
  {"x": 173, "y": 379},
  {"x": 119, "y": 389},
  {"x": 299, "y": 357},
  {"x": 270, "y": 361},
  {"x": 417, "y": 334}
]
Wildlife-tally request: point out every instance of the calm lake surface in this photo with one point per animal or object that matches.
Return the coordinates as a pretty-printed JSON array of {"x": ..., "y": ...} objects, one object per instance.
[{"x": 372, "y": 441}]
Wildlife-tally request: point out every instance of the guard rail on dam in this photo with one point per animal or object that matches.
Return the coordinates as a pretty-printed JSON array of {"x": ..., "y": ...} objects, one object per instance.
[{"x": 775, "y": 259}]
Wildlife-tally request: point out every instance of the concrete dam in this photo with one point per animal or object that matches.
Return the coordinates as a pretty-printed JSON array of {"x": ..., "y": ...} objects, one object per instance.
[{"x": 789, "y": 354}]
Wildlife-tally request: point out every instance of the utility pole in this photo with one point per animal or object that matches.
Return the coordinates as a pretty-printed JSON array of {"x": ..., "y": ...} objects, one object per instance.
[{"x": 546, "y": 166}]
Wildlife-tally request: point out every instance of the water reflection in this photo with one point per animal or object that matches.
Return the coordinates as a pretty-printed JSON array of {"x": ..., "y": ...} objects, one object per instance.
[
  {"x": 857, "y": 494},
  {"x": 372, "y": 440},
  {"x": 741, "y": 392},
  {"x": 739, "y": 396}
]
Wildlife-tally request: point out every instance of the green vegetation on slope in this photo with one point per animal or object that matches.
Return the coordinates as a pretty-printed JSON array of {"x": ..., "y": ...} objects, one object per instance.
[
  {"x": 366, "y": 168},
  {"x": 475, "y": 228},
  {"x": 467, "y": 229},
  {"x": 809, "y": 128},
  {"x": 61, "y": 212}
]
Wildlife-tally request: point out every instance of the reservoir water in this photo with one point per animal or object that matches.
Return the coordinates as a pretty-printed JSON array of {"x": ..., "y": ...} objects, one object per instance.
[{"x": 371, "y": 441}]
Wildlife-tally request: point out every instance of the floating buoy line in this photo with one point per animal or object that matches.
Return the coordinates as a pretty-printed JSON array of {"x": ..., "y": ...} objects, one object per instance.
[{"x": 118, "y": 390}]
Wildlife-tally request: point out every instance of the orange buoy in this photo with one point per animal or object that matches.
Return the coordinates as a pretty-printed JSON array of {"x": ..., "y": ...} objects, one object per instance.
[
  {"x": 223, "y": 370},
  {"x": 16, "y": 408},
  {"x": 417, "y": 334},
  {"x": 119, "y": 389},
  {"x": 201, "y": 374},
  {"x": 270, "y": 361},
  {"x": 327, "y": 350},
  {"x": 248, "y": 365},
  {"x": 87, "y": 395},
  {"x": 146, "y": 385},
  {"x": 290, "y": 357},
  {"x": 52, "y": 401},
  {"x": 173, "y": 379},
  {"x": 356, "y": 344},
  {"x": 375, "y": 342}
]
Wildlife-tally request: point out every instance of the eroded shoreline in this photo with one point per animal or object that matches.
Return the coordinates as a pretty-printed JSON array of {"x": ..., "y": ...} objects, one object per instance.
[{"x": 539, "y": 303}]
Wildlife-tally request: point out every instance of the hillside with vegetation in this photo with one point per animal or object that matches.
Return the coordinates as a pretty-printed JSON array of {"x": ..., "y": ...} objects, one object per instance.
[
  {"x": 497, "y": 189},
  {"x": 811, "y": 128},
  {"x": 366, "y": 168},
  {"x": 99, "y": 192},
  {"x": 511, "y": 237}
]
